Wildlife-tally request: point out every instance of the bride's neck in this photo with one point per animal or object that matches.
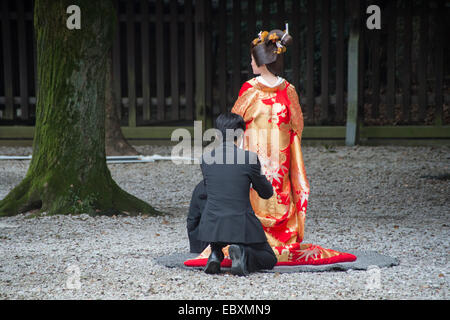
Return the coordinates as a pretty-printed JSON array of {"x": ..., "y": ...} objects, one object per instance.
[{"x": 268, "y": 76}]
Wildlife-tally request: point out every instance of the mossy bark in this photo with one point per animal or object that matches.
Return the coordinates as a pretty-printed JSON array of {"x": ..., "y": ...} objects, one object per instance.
[{"x": 68, "y": 171}]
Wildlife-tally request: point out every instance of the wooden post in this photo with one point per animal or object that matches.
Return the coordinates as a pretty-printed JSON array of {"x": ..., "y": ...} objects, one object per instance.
[
  {"x": 200, "y": 68},
  {"x": 236, "y": 48},
  {"x": 146, "y": 96},
  {"x": 352, "y": 126},
  {"x": 189, "y": 59},
  {"x": 222, "y": 56},
  {"x": 209, "y": 114},
  {"x": 117, "y": 84},
  {"x": 294, "y": 29},
  {"x": 310, "y": 94},
  {"x": 439, "y": 63},
  {"x": 325, "y": 66},
  {"x": 251, "y": 25},
  {"x": 406, "y": 65},
  {"x": 131, "y": 65},
  {"x": 174, "y": 76},
  {"x": 423, "y": 58},
  {"x": 160, "y": 61},
  {"x": 340, "y": 72},
  {"x": 390, "y": 63},
  {"x": 23, "y": 68},
  {"x": 7, "y": 62}
]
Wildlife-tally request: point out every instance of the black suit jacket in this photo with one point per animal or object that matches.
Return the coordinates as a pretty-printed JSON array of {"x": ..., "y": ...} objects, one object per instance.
[
  {"x": 228, "y": 216},
  {"x": 196, "y": 207}
]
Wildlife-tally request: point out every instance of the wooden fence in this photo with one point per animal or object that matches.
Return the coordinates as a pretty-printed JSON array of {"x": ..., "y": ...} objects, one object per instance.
[{"x": 179, "y": 60}]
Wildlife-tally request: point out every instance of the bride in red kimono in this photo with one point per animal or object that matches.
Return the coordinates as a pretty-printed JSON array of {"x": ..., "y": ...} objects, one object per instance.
[{"x": 274, "y": 123}]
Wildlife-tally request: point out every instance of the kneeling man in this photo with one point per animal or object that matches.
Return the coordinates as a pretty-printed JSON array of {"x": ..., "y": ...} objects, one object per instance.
[{"x": 228, "y": 218}]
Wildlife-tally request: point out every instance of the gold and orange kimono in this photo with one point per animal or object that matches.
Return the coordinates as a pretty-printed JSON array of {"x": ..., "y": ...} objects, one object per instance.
[{"x": 274, "y": 125}]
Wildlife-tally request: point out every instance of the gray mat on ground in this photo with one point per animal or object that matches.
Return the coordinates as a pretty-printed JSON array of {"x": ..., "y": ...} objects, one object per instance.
[{"x": 365, "y": 260}]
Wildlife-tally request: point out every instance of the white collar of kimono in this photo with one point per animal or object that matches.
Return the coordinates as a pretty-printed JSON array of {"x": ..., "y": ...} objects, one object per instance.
[{"x": 264, "y": 82}]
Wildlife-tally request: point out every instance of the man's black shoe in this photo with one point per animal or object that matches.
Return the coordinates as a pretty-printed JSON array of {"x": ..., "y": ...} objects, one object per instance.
[
  {"x": 214, "y": 260},
  {"x": 238, "y": 260}
]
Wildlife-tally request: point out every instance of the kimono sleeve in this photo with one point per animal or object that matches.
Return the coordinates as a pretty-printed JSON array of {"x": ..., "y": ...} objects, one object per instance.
[
  {"x": 297, "y": 173},
  {"x": 296, "y": 119},
  {"x": 244, "y": 100}
]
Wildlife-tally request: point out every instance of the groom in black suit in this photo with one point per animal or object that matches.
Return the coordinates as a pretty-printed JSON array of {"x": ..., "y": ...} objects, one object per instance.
[
  {"x": 228, "y": 218},
  {"x": 196, "y": 207}
]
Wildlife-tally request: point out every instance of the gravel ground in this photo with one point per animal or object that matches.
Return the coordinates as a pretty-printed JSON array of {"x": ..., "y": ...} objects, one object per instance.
[{"x": 394, "y": 200}]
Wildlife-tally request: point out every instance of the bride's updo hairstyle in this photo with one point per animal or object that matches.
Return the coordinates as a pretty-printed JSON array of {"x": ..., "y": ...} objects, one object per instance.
[{"x": 268, "y": 49}]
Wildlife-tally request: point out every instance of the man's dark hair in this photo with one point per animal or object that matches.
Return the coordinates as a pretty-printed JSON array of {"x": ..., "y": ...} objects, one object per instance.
[{"x": 229, "y": 120}]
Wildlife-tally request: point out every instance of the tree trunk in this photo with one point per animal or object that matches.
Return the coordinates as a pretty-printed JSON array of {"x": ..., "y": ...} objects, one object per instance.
[
  {"x": 68, "y": 172},
  {"x": 116, "y": 144}
]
